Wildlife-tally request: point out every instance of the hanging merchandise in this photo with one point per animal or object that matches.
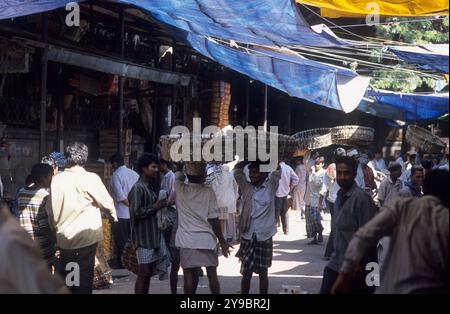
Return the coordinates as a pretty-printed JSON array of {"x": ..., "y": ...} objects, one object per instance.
[{"x": 220, "y": 105}]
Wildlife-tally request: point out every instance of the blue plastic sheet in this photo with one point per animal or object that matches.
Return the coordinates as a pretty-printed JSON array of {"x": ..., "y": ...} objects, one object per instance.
[
  {"x": 415, "y": 107},
  {"x": 302, "y": 78},
  {"x": 433, "y": 57},
  {"x": 264, "y": 22}
]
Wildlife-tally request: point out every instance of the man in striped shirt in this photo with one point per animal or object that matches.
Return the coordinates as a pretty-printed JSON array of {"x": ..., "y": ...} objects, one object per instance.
[{"x": 32, "y": 214}]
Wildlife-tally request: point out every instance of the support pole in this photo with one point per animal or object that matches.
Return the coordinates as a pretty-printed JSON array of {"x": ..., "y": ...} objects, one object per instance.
[
  {"x": 59, "y": 122},
  {"x": 247, "y": 100},
  {"x": 265, "y": 107},
  {"x": 43, "y": 89},
  {"x": 121, "y": 111},
  {"x": 289, "y": 116}
]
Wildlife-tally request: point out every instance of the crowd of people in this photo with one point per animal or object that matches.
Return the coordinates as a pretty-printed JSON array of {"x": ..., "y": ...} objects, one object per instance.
[{"x": 386, "y": 211}]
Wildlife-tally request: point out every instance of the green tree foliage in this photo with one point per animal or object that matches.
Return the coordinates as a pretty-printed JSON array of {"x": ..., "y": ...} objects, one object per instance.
[{"x": 433, "y": 31}]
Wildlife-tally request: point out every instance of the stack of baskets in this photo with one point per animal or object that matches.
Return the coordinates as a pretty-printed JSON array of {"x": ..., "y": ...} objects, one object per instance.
[
  {"x": 313, "y": 139},
  {"x": 346, "y": 135},
  {"x": 166, "y": 142},
  {"x": 220, "y": 103},
  {"x": 243, "y": 145},
  {"x": 424, "y": 140},
  {"x": 286, "y": 145},
  {"x": 352, "y": 135}
]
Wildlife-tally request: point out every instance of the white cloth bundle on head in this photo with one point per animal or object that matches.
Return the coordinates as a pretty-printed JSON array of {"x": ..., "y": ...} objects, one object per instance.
[{"x": 352, "y": 152}]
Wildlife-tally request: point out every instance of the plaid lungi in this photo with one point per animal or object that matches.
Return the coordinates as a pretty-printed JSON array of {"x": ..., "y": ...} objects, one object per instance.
[
  {"x": 255, "y": 255},
  {"x": 313, "y": 221}
]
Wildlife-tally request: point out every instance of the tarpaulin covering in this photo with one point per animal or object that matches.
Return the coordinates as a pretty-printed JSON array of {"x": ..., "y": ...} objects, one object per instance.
[
  {"x": 427, "y": 56},
  {"x": 381, "y": 111},
  {"x": 415, "y": 106},
  {"x": 322, "y": 84},
  {"x": 258, "y": 22},
  {"x": 264, "y": 22},
  {"x": 357, "y": 8}
]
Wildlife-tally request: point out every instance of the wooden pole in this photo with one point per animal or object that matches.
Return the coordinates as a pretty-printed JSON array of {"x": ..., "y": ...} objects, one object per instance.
[
  {"x": 43, "y": 89},
  {"x": 121, "y": 110},
  {"x": 289, "y": 116},
  {"x": 265, "y": 107},
  {"x": 247, "y": 100}
]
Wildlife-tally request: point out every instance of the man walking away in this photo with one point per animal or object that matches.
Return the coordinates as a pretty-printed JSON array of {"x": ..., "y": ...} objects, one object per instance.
[
  {"x": 417, "y": 261},
  {"x": 313, "y": 217},
  {"x": 198, "y": 228},
  {"x": 353, "y": 209},
  {"x": 257, "y": 224},
  {"x": 76, "y": 198},
  {"x": 122, "y": 181},
  {"x": 300, "y": 188},
  {"x": 33, "y": 217},
  {"x": 287, "y": 182}
]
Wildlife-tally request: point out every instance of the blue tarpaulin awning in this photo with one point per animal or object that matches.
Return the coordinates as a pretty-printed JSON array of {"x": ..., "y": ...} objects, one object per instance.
[
  {"x": 429, "y": 57},
  {"x": 263, "y": 22},
  {"x": 323, "y": 84},
  {"x": 413, "y": 107}
]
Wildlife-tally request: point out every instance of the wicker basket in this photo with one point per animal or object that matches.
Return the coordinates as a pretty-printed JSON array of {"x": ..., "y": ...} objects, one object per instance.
[
  {"x": 166, "y": 142},
  {"x": 424, "y": 140},
  {"x": 352, "y": 135},
  {"x": 313, "y": 138},
  {"x": 287, "y": 145}
]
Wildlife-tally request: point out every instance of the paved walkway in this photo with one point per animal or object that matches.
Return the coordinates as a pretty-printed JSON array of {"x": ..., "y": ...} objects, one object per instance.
[{"x": 294, "y": 263}]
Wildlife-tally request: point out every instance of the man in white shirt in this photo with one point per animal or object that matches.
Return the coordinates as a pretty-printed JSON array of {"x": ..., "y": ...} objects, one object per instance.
[
  {"x": 406, "y": 175},
  {"x": 198, "y": 228},
  {"x": 122, "y": 181},
  {"x": 225, "y": 187},
  {"x": 360, "y": 173},
  {"x": 398, "y": 159},
  {"x": 377, "y": 163},
  {"x": 287, "y": 182}
]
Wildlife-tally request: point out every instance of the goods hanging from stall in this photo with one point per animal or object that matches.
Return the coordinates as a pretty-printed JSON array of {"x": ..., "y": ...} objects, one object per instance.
[
  {"x": 220, "y": 105},
  {"x": 424, "y": 140}
]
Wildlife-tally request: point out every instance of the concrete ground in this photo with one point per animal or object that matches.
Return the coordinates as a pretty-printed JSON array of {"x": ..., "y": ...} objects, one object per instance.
[{"x": 294, "y": 263}]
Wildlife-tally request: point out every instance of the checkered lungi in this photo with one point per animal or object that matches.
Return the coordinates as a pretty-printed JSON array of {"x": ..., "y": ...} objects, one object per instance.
[
  {"x": 313, "y": 221},
  {"x": 255, "y": 255}
]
